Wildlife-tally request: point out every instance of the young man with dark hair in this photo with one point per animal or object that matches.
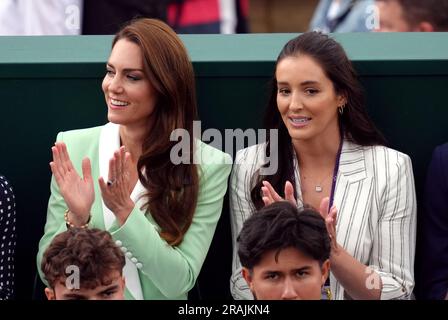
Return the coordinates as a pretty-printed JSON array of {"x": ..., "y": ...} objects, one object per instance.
[
  {"x": 413, "y": 15},
  {"x": 83, "y": 264},
  {"x": 285, "y": 253}
]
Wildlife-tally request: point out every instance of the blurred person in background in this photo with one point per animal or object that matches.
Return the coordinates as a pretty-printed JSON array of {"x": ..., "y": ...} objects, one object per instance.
[
  {"x": 209, "y": 16},
  {"x": 40, "y": 17},
  {"x": 343, "y": 16},
  {"x": 184, "y": 16},
  {"x": 74, "y": 17},
  {"x": 108, "y": 16},
  {"x": 412, "y": 15}
]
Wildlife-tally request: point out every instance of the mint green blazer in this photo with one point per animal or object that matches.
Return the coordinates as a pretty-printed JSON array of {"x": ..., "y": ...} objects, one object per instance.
[{"x": 165, "y": 272}]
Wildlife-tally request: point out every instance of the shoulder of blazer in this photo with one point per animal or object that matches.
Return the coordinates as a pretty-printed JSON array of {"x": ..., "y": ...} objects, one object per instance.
[
  {"x": 388, "y": 152},
  {"x": 372, "y": 160},
  {"x": 81, "y": 142},
  {"x": 211, "y": 155},
  {"x": 382, "y": 161},
  {"x": 254, "y": 155},
  {"x": 81, "y": 137}
]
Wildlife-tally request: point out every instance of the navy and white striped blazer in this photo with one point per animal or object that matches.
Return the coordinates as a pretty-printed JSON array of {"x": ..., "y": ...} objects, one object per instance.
[{"x": 376, "y": 224}]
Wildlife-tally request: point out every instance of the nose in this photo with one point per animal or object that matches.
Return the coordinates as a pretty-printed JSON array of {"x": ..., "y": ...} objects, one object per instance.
[
  {"x": 289, "y": 291},
  {"x": 114, "y": 84},
  {"x": 296, "y": 102}
]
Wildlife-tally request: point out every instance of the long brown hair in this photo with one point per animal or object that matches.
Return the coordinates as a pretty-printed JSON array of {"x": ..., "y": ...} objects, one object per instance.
[
  {"x": 355, "y": 121},
  {"x": 172, "y": 189}
]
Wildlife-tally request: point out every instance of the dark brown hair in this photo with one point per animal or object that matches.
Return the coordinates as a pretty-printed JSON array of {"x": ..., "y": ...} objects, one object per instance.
[
  {"x": 356, "y": 123},
  {"x": 280, "y": 226},
  {"x": 172, "y": 188},
  {"x": 91, "y": 250},
  {"x": 433, "y": 11}
]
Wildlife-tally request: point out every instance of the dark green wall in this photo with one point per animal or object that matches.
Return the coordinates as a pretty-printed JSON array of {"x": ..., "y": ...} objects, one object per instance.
[{"x": 49, "y": 84}]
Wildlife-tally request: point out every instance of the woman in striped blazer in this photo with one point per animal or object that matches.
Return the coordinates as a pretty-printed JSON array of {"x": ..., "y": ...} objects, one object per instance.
[{"x": 332, "y": 155}]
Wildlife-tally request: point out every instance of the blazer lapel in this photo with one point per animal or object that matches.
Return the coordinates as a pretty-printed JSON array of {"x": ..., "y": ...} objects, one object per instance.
[
  {"x": 352, "y": 198},
  {"x": 109, "y": 142}
]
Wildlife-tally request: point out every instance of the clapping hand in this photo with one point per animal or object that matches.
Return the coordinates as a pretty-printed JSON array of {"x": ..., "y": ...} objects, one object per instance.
[
  {"x": 77, "y": 192},
  {"x": 270, "y": 195},
  {"x": 116, "y": 192},
  {"x": 330, "y": 217}
]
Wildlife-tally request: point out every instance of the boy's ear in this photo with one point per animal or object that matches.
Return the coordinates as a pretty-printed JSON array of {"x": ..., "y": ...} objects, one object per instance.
[
  {"x": 325, "y": 270},
  {"x": 247, "y": 276},
  {"x": 50, "y": 294}
]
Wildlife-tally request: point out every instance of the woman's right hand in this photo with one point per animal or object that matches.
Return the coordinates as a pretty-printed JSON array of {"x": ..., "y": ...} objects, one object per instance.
[
  {"x": 270, "y": 195},
  {"x": 77, "y": 192}
]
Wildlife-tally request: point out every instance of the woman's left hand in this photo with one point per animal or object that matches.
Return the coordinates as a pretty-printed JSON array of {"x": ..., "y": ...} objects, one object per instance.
[
  {"x": 116, "y": 192},
  {"x": 330, "y": 217}
]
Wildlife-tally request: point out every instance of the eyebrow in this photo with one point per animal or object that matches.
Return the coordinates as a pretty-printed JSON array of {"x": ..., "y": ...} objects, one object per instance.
[
  {"x": 306, "y": 268},
  {"x": 74, "y": 295},
  {"x": 126, "y": 69},
  {"x": 304, "y": 83},
  {"x": 112, "y": 287}
]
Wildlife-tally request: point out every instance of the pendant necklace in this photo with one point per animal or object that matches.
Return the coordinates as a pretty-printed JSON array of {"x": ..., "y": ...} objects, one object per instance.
[{"x": 318, "y": 187}]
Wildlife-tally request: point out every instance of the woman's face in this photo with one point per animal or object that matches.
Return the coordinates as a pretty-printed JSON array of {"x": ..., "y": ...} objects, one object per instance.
[
  {"x": 130, "y": 96},
  {"x": 306, "y": 99},
  {"x": 294, "y": 276}
]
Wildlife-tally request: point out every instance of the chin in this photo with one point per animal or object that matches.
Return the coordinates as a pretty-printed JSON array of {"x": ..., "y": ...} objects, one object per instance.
[
  {"x": 299, "y": 136},
  {"x": 114, "y": 119}
]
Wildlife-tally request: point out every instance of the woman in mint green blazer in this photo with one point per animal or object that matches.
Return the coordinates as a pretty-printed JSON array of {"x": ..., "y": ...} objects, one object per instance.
[{"x": 160, "y": 206}]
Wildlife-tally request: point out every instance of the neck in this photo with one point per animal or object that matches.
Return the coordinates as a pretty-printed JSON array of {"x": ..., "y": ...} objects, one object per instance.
[
  {"x": 317, "y": 152},
  {"x": 132, "y": 139}
]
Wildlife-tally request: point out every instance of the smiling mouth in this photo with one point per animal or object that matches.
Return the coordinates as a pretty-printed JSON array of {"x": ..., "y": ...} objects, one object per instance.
[
  {"x": 118, "y": 103},
  {"x": 300, "y": 120}
]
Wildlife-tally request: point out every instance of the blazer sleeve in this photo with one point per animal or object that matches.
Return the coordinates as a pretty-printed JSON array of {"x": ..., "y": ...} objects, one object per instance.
[
  {"x": 241, "y": 208},
  {"x": 174, "y": 270},
  {"x": 435, "y": 228},
  {"x": 393, "y": 249},
  {"x": 55, "y": 223}
]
